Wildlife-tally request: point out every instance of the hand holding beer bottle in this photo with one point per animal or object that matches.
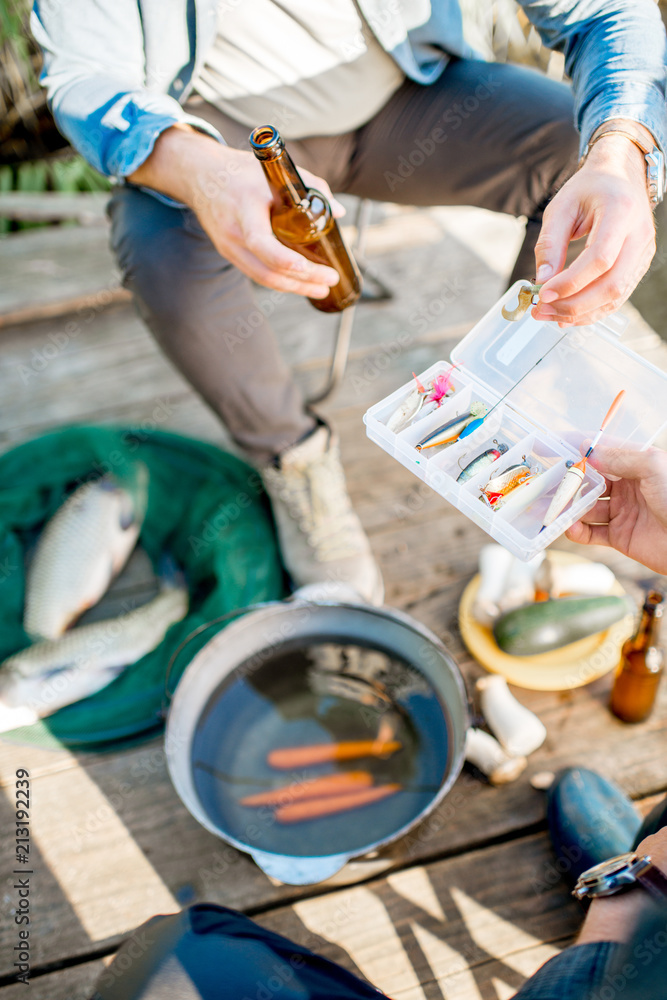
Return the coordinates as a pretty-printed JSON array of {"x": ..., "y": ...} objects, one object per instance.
[
  {"x": 301, "y": 219},
  {"x": 226, "y": 189}
]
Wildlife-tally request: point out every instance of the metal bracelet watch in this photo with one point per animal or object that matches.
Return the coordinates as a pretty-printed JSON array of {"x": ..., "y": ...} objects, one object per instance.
[
  {"x": 653, "y": 157},
  {"x": 620, "y": 874}
]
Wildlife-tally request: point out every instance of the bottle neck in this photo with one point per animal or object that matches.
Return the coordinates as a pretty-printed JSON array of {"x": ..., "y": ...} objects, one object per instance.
[
  {"x": 284, "y": 180},
  {"x": 649, "y": 626}
]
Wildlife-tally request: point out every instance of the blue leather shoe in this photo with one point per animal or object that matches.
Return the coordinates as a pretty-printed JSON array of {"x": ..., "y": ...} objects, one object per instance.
[
  {"x": 590, "y": 820},
  {"x": 656, "y": 819}
]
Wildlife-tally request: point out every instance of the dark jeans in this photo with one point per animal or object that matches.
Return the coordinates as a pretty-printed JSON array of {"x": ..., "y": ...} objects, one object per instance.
[
  {"x": 495, "y": 136},
  {"x": 607, "y": 971},
  {"x": 655, "y": 821},
  {"x": 208, "y": 951}
]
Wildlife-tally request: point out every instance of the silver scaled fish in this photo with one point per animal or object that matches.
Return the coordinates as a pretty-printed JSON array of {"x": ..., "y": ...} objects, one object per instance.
[
  {"x": 56, "y": 672},
  {"x": 486, "y": 458},
  {"x": 82, "y": 547}
]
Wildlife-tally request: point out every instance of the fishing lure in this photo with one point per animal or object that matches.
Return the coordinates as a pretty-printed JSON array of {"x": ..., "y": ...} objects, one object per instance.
[
  {"x": 450, "y": 431},
  {"x": 498, "y": 487},
  {"x": 526, "y": 300},
  {"x": 486, "y": 458},
  {"x": 442, "y": 386},
  {"x": 567, "y": 490},
  {"x": 525, "y": 493},
  {"x": 571, "y": 482},
  {"x": 422, "y": 400},
  {"x": 408, "y": 409}
]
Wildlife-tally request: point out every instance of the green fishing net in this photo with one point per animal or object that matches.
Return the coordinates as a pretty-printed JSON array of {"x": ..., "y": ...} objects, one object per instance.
[{"x": 205, "y": 508}]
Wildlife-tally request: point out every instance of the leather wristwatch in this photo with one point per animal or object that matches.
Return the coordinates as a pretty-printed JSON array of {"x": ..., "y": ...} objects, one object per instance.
[
  {"x": 620, "y": 874},
  {"x": 653, "y": 157}
]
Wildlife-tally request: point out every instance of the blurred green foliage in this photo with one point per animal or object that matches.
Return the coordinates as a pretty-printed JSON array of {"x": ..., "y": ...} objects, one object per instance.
[
  {"x": 14, "y": 15},
  {"x": 68, "y": 174},
  {"x": 26, "y": 127}
]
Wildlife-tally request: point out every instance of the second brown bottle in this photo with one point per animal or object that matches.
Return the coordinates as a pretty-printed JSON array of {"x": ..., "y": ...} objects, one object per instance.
[
  {"x": 642, "y": 663},
  {"x": 301, "y": 219}
]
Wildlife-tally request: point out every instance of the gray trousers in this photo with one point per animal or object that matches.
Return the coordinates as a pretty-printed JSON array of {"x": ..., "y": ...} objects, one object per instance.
[{"x": 496, "y": 136}]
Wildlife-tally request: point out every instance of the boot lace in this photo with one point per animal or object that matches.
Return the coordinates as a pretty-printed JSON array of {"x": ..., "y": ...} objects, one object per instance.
[{"x": 316, "y": 497}]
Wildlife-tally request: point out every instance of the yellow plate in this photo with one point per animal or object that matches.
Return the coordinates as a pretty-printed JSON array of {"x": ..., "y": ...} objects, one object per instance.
[{"x": 570, "y": 666}]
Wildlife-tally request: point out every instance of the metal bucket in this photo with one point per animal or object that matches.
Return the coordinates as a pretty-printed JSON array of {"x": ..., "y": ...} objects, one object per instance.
[{"x": 238, "y": 654}]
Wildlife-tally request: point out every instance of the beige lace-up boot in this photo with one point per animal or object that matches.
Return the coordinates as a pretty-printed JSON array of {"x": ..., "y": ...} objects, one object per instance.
[{"x": 321, "y": 537}]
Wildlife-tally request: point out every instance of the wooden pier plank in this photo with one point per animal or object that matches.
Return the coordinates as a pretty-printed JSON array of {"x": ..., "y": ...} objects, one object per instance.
[
  {"x": 95, "y": 810},
  {"x": 122, "y": 801},
  {"x": 421, "y": 932},
  {"x": 86, "y": 208}
]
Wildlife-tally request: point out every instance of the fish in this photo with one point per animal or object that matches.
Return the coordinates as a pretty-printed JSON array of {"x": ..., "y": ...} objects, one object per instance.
[
  {"x": 567, "y": 489},
  {"x": 449, "y": 432},
  {"x": 486, "y": 458},
  {"x": 53, "y": 673},
  {"x": 499, "y": 486},
  {"x": 80, "y": 550}
]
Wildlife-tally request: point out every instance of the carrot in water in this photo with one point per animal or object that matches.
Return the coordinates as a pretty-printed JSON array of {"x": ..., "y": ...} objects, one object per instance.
[
  {"x": 330, "y": 784},
  {"x": 287, "y": 758},
  {"x": 297, "y": 812}
]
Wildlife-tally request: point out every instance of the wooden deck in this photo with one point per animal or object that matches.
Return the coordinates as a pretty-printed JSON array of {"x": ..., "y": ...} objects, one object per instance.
[{"x": 470, "y": 903}]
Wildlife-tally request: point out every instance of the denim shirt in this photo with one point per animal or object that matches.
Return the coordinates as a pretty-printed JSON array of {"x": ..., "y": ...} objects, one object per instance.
[{"x": 118, "y": 71}]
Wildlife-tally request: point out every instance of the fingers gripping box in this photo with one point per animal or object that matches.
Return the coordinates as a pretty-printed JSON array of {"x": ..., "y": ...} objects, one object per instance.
[{"x": 546, "y": 391}]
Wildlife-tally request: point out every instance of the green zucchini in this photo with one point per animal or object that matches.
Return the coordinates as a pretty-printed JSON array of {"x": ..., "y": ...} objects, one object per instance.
[{"x": 538, "y": 628}]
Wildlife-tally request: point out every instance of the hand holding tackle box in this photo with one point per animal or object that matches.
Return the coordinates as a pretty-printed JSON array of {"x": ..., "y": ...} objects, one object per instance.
[{"x": 525, "y": 400}]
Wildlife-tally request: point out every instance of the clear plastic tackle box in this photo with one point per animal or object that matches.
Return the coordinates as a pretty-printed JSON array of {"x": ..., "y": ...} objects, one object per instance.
[{"x": 559, "y": 385}]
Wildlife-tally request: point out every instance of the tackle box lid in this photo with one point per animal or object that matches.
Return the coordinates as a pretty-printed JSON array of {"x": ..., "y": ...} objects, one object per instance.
[{"x": 564, "y": 380}]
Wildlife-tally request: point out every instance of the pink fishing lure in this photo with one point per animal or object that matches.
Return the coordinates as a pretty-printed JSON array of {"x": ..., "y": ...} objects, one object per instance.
[{"x": 441, "y": 385}]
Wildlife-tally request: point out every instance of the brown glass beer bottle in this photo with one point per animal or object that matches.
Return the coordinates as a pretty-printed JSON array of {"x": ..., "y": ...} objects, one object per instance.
[
  {"x": 301, "y": 219},
  {"x": 641, "y": 666}
]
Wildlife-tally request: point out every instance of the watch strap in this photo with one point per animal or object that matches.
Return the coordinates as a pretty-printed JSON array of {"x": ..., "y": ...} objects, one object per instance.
[
  {"x": 609, "y": 128},
  {"x": 653, "y": 880},
  {"x": 653, "y": 157}
]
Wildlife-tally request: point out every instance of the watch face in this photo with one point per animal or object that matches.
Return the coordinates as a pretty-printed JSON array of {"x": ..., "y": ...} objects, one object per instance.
[
  {"x": 607, "y": 868},
  {"x": 610, "y": 877}
]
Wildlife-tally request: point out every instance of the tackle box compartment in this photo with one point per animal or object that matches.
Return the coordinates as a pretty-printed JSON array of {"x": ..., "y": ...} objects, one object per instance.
[{"x": 556, "y": 386}]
